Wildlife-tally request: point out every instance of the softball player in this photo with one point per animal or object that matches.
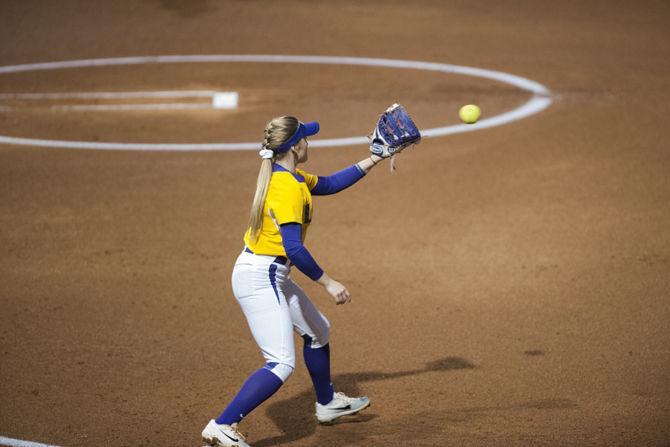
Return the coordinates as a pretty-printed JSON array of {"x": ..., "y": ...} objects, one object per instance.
[{"x": 273, "y": 304}]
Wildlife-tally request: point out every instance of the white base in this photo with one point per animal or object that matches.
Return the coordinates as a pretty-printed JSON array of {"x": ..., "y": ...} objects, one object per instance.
[{"x": 225, "y": 100}]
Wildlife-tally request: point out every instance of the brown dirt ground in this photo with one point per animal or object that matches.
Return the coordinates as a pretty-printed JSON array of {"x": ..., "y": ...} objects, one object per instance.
[{"x": 510, "y": 285}]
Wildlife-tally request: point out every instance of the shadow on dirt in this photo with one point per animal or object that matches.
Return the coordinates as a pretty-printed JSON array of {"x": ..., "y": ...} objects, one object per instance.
[
  {"x": 472, "y": 413},
  {"x": 295, "y": 416}
]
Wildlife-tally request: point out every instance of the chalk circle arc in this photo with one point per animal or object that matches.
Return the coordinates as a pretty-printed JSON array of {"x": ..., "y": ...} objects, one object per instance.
[{"x": 540, "y": 100}]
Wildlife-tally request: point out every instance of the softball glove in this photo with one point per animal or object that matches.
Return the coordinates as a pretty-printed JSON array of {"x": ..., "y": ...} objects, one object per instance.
[{"x": 394, "y": 131}]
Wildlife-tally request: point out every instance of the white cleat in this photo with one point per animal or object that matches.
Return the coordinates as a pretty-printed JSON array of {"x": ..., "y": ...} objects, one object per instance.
[
  {"x": 223, "y": 435},
  {"x": 341, "y": 405}
]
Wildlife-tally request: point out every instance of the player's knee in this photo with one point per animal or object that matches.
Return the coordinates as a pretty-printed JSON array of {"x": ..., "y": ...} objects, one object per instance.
[
  {"x": 318, "y": 340},
  {"x": 321, "y": 335},
  {"x": 281, "y": 370}
]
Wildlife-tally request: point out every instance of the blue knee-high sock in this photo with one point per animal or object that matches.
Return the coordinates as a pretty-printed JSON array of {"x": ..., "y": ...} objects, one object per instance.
[
  {"x": 318, "y": 365},
  {"x": 259, "y": 387}
]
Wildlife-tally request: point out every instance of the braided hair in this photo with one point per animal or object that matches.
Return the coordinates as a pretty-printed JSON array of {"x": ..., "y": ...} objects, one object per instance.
[{"x": 276, "y": 132}]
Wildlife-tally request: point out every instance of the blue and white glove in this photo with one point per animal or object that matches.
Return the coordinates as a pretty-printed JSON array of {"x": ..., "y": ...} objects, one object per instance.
[{"x": 394, "y": 131}]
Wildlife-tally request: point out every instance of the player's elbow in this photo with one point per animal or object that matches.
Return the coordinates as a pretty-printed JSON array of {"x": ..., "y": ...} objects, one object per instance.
[{"x": 293, "y": 250}]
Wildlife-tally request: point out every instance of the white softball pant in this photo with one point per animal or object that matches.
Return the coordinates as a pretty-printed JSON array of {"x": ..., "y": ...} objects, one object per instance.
[{"x": 275, "y": 306}]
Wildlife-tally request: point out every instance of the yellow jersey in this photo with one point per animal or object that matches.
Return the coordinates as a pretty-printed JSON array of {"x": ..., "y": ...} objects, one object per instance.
[{"x": 289, "y": 200}]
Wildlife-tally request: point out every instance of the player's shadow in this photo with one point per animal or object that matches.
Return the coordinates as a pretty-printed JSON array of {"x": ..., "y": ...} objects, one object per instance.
[{"x": 295, "y": 416}]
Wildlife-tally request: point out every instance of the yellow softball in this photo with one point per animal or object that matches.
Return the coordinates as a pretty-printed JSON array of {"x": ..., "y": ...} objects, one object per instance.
[{"x": 470, "y": 113}]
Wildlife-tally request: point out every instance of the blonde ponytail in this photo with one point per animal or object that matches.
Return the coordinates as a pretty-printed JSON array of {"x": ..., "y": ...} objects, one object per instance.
[
  {"x": 276, "y": 132},
  {"x": 262, "y": 184}
]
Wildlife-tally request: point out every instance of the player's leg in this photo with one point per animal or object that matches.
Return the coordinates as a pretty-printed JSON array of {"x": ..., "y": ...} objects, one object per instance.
[
  {"x": 314, "y": 328},
  {"x": 269, "y": 319}
]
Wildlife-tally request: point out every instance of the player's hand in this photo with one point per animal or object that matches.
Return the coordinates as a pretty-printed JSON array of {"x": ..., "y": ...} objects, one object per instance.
[{"x": 336, "y": 289}]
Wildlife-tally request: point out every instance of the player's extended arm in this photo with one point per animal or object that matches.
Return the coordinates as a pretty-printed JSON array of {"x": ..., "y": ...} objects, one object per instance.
[
  {"x": 343, "y": 179},
  {"x": 291, "y": 234}
]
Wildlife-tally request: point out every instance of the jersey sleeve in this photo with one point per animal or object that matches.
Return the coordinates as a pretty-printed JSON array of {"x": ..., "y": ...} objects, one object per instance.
[
  {"x": 285, "y": 203},
  {"x": 310, "y": 179}
]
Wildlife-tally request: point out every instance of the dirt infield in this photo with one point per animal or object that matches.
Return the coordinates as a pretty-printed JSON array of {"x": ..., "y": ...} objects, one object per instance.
[{"x": 511, "y": 286}]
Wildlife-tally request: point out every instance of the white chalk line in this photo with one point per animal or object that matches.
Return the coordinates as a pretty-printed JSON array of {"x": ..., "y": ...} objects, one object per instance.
[
  {"x": 540, "y": 100},
  {"x": 20, "y": 443},
  {"x": 117, "y": 107},
  {"x": 112, "y": 95},
  {"x": 176, "y": 94},
  {"x": 114, "y": 107}
]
